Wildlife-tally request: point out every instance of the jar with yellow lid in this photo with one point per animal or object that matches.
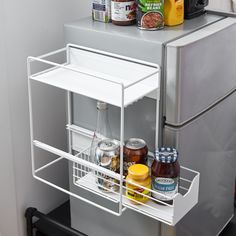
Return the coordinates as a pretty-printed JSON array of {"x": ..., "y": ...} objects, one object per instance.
[{"x": 138, "y": 174}]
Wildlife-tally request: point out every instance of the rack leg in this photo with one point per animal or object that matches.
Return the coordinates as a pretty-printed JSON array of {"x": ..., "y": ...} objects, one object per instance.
[
  {"x": 33, "y": 212},
  {"x": 29, "y": 214}
]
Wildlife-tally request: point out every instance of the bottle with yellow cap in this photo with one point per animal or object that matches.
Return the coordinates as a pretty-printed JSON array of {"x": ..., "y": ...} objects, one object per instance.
[
  {"x": 138, "y": 174},
  {"x": 174, "y": 12}
]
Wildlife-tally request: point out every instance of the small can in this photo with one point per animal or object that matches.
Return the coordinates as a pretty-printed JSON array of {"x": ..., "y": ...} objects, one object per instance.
[
  {"x": 150, "y": 14},
  {"x": 135, "y": 152},
  {"x": 107, "y": 155},
  {"x": 123, "y": 12},
  {"x": 101, "y": 10}
]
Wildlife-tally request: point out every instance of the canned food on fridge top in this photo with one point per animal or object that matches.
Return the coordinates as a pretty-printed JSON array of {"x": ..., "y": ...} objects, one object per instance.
[
  {"x": 150, "y": 14},
  {"x": 123, "y": 12},
  {"x": 101, "y": 10}
]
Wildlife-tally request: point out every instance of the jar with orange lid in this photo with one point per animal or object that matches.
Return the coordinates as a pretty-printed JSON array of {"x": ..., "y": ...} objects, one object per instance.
[{"x": 138, "y": 183}]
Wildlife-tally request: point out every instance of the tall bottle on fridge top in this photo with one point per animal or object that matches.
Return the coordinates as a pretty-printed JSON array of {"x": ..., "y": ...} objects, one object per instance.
[
  {"x": 103, "y": 129},
  {"x": 174, "y": 12}
]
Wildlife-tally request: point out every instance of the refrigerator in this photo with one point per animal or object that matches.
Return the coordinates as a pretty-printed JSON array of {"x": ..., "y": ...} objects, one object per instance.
[{"x": 196, "y": 115}]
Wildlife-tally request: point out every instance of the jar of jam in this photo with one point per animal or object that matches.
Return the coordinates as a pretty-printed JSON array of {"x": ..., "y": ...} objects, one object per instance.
[
  {"x": 135, "y": 152},
  {"x": 138, "y": 174},
  {"x": 123, "y": 12},
  {"x": 165, "y": 174}
]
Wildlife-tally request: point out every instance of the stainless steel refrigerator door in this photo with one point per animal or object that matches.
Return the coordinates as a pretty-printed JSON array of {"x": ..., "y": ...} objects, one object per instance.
[
  {"x": 208, "y": 146},
  {"x": 201, "y": 120},
  {"x": 200, "y": 70}
]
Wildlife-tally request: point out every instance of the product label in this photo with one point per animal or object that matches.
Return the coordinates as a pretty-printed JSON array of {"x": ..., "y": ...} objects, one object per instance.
[
  {"x": 135, "y": 194},
  {"x": 126, "y": 167},
  {"x": 123, "y": 11},
  {"x": 101, "y": 10},
  {"x": 166, "y": 186},
  {"x": 150, "y": 14},
  {"x": 180, "y": 9}
]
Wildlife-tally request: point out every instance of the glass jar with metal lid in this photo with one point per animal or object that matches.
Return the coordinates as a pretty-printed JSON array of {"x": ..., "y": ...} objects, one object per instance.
[
  {"x": 165, "y": 174},
  {"x": 135, "y": 152},
  {"x": 107, "y": 155}
]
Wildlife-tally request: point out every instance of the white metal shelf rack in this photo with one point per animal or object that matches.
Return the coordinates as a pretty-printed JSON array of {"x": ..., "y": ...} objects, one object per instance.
[{"x": 119, "y": 81}]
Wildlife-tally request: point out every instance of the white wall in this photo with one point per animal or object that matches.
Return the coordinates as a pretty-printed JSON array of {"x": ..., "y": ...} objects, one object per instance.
[
  {"x": 7, "y": 185},
  {"x": 28, "y": 27}
]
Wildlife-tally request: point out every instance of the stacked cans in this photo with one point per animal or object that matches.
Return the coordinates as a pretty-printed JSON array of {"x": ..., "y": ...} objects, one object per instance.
[{"x": 108, "y": 156}]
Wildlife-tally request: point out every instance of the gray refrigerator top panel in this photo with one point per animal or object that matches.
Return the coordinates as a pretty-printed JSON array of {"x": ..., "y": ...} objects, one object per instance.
[
  {"x": 128, "y": 40},
  {"x": 200, "y": 71}
]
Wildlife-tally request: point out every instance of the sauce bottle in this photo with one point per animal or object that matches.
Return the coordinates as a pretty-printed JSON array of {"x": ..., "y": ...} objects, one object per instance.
[
  {"x": 165, "y": 175},
  {"x": 174, "y": 12}
]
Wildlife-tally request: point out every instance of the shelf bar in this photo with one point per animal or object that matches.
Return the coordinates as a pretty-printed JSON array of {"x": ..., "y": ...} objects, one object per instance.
[
  {"x": 46, "y": 71},
  {"x": 190, "y": 170},
  {"x": 49, "y": 164},
  {"x": 31, "y": 117},
  {"x": 71, "y": 69},
  {"x": 143, "y": 78},
  {"x": 75, "y": 195},
  {"x": 104, "y": 195},
  {"x": 113, "y": 55},
  {"x": 69, "y": 109},
  {"x": 148, "y": 214},
  {"x": 186, "y": 180},
  {"x": 77, "y": 160},
  {"x": 52, "y": 53},
  {"x": 121, "y": 145}
]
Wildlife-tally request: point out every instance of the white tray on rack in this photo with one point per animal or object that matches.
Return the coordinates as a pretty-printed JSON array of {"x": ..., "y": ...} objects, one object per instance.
[
  {"x": 99, "y": 76},
  {"x": 169, "y": 215}
]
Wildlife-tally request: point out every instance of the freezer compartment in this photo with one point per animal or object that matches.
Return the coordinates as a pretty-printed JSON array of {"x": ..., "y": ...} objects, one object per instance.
[
  {"x": 208, "y": 146},
  {"x": 200, "y": 70}
]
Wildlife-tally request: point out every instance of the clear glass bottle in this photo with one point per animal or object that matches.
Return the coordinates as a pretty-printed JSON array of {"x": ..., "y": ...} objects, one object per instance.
[{"x": 103, "y": 129}]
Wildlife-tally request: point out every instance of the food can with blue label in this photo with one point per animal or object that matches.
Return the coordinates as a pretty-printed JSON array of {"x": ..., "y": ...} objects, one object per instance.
[
  {"x": 165, "y": 174},
  {"x": 150, "y": 14}
]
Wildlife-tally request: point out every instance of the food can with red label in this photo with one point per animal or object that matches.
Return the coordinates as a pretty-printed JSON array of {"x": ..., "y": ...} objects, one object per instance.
[
  {"x": 150, "y": 14},
  {"x": 135, "y": 152},
  {"x": 123, "y": 12}
]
